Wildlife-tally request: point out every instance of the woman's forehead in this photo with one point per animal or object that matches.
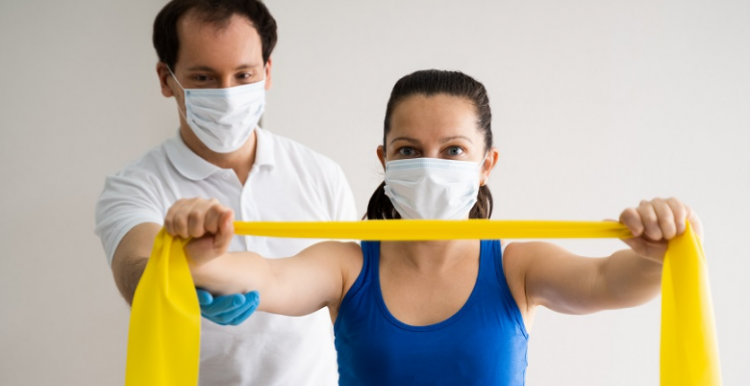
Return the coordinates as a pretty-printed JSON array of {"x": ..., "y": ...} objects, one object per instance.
[{"x": 434, "y": 117}]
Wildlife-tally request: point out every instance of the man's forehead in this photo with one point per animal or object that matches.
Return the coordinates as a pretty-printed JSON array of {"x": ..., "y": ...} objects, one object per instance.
[
  {"x": 231, "y": 43},
  {"x": 195, "y": 23}
]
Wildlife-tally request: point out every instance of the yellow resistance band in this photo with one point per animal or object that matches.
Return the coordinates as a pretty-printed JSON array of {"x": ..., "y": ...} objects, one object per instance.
[{"x": 164, "y": 337}]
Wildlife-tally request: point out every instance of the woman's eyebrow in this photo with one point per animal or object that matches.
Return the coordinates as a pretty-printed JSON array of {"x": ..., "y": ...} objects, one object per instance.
[
  {"x": 442, "y": 140},
  {"x": 407, "y": 139},
  {"x": 448, "y": 139}
]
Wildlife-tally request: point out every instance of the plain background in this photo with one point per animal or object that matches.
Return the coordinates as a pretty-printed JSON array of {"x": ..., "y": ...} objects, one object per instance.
[{"x": 597, "y": 105}]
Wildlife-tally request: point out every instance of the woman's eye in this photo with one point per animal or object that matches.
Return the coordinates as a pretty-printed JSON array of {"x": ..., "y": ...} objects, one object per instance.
[
  {"x": 455, "y": 150},
  {"x": 200, "y": 78},
  {"x": 407, "y": 151}
]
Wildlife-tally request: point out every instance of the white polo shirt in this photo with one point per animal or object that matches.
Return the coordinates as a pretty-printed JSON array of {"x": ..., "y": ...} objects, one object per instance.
[{"x": 288, "y": 182}]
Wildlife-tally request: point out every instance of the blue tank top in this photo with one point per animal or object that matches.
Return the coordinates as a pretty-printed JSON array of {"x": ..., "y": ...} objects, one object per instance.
[{"x": 484, "y": 343}]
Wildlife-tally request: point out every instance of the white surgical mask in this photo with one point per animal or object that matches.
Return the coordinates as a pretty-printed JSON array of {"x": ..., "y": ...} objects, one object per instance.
[
  {"x": 224, "y": 118},
  {"x": 432, "y": 188}
]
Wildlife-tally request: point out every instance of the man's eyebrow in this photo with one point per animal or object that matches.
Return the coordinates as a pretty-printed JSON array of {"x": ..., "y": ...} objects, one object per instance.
[
  {"x": 209, "y": 69},
  {"x": 201, "y": 68},
  {"x": 246, "y": 66}
]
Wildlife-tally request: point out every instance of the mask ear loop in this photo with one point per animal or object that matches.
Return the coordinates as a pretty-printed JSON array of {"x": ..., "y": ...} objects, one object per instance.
[{"x": 184, "y": 94}]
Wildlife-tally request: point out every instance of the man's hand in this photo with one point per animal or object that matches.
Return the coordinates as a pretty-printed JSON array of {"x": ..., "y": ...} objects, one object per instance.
[
  {"x": 230, "y": 309},
  {"x": 653, "y": 223},
  {"x": 208, "y": 223}
]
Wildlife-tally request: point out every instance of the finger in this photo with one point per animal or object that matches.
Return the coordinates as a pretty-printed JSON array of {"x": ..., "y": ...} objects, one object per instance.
[
  {"x": 680, "y": 214},
  {"x": 204, "y": 297},
  {"x": 253, "y": 298},
  {"x": 233, "y": 316},
  {"x": 181, "y": 219},
  {"x": 632, "y": 219},
  {"x": 212, "y": 216},
  {"x": 169, "y": 218},
  {"x": 695, "y": 222},
  {"x": 650, "y": 221},
  {"x": 223, "y": 304},
  {"x": 226, "y": 230},
  {"x": 197, "y": 219},
  {"x": 666, "y": 218}
]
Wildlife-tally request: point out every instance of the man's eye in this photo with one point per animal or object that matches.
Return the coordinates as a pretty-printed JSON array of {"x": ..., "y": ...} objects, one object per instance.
[
  {"x": 455, "y": 150},
  {"x": 200, "y": 78},
  {"x": 244, "y": 76}
]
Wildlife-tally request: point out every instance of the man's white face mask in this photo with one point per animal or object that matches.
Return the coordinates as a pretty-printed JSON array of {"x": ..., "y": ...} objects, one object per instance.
[
  {"x": 224, "y": 118},
  {"x": 432, "y": 188}
]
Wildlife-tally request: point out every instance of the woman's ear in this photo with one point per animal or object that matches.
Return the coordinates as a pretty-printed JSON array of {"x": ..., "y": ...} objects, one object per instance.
[
  {"x": 381, "y": 155},
  {"x": 489, "y": 163}
]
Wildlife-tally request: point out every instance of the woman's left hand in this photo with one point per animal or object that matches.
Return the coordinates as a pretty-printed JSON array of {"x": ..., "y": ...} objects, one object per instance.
[{"x": 653, "y": 223}]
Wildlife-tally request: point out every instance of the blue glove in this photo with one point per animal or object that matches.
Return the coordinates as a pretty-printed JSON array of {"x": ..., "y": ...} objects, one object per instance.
[{"x": 230, "y": 309}]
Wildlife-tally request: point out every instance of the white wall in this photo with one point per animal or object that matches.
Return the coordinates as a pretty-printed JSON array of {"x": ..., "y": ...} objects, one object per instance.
[{"x": 597, "y": 105}]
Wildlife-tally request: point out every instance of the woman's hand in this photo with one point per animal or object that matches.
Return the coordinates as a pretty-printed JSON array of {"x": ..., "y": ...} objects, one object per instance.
[
  {"x": 653, "y": 223},
  {"x": 208, "y": 223}
]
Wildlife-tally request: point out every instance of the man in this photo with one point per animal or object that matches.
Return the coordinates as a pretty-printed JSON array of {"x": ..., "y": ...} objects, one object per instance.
[{"x": 215, "y": 60}]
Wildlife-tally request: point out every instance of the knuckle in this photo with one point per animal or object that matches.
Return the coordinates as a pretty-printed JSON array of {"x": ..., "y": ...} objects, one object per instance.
[
  {"x": 193, "y": 217},
  {"x": 649, "y": 217},
  {"x": 178, "y": 224},
  {"x": 629, "y": 215}
]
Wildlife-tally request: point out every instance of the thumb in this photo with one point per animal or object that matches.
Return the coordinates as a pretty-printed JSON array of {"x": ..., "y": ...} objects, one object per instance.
[
  {"x": 204, "y": 297},
  {"x": 226, "y": 231}
]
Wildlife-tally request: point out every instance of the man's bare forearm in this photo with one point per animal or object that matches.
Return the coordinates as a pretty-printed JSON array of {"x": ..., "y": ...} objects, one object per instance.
[
  {"x": 129, "y": 275},
  {"x": 131, "y": 257}
]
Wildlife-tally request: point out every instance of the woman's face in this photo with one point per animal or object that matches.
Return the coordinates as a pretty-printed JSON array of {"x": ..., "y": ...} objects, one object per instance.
[{"x": 438, "y": 126}]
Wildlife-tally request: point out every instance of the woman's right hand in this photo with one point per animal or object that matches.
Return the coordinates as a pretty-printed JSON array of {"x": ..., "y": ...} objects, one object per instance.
[{"x": 207, "y": 222}]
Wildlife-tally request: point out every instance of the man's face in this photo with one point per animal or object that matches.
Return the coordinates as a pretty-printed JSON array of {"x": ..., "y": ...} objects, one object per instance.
[{"x": 212, "y": 56}]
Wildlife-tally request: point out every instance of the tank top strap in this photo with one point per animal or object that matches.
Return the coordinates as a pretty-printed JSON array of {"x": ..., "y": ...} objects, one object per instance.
[
  {"x": 487, "y": 256},
  {"x": 371, "y": 256},
  {"x": 494, "y": 251}
]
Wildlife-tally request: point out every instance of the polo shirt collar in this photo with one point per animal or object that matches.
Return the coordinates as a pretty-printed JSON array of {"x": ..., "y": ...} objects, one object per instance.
[
  {"x": 186, "y": 162},
  {"x": 194, "y": 167},
  {"x": 265, "y": 154}
]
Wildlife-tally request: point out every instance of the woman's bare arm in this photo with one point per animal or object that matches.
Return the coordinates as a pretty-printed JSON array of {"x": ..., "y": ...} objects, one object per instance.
[{"x": 298, "y": 285}]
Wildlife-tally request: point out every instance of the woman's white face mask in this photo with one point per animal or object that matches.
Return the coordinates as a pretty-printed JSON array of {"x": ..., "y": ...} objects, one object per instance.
[
  {"x": 432, "y": 188},
  {"x": 224, "y": 118}
]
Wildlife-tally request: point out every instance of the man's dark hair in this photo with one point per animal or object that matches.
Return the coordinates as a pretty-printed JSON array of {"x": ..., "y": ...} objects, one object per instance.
[{"x": 219, "y": 12}]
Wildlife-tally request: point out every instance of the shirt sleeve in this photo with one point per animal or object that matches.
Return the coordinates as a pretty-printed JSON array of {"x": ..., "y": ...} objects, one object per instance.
[
  {"x": 128, "y": 199},
  {"x": 344, "y": 208}
]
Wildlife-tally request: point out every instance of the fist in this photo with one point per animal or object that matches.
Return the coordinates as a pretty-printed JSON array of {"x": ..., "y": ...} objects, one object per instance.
[
  {"x": 208, "y": 223},
  {"x": 653, "y": 223}
]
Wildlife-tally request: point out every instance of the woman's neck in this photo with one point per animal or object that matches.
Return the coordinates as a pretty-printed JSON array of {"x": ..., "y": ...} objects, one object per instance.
[{"x": 429, "y": 256}]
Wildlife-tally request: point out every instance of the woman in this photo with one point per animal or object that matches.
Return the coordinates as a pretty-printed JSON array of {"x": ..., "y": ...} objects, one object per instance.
[{"x": 434, "y": 312}]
